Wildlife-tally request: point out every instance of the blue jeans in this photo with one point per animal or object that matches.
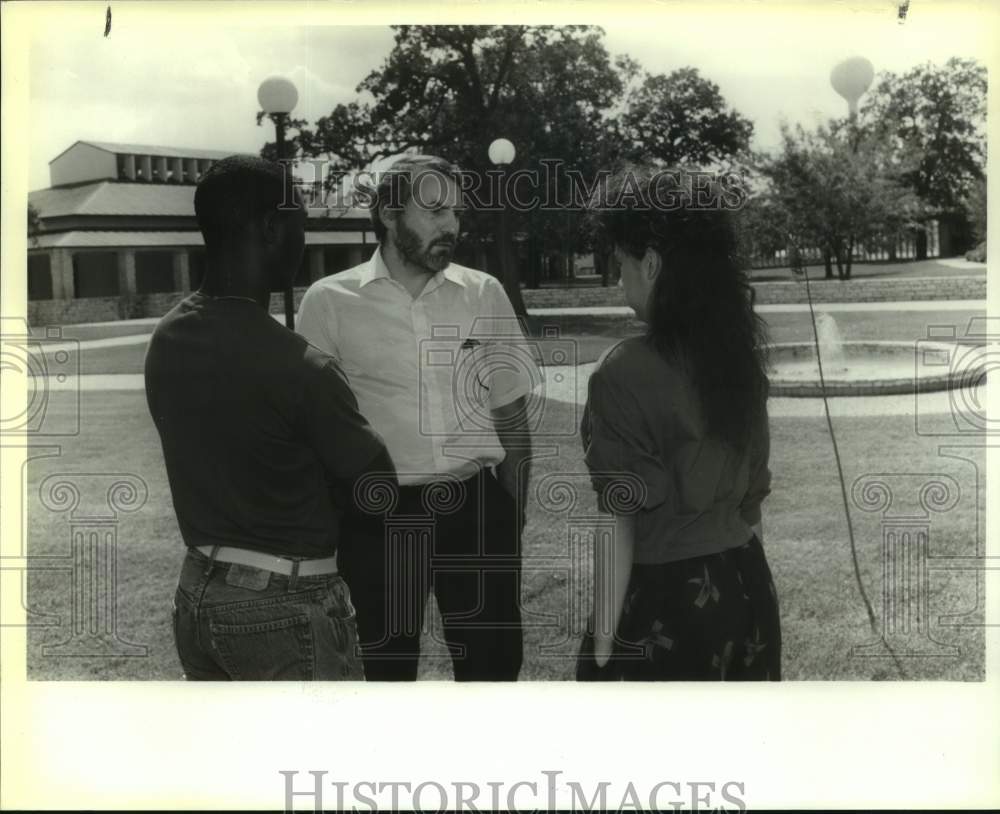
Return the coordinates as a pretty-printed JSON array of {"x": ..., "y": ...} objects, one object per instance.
[{"x": 234, "y": 622}]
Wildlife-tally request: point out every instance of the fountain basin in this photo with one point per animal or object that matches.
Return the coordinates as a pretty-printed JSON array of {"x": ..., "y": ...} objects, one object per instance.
[{"x": 874, "y": 368}]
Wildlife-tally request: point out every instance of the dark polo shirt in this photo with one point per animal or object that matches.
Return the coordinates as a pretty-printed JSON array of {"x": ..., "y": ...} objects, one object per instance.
[
  {"x": 643, "y": 419},
  {"x": 252, "y": 419}
]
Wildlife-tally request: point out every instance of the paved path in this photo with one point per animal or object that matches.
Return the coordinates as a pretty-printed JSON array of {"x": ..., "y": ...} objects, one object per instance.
[
  {"x": 961, "y": 263},
  {"x": 596, "y": 310},
  {"x": 567, "y": 384},
  {"x": 786, "y": 308}
]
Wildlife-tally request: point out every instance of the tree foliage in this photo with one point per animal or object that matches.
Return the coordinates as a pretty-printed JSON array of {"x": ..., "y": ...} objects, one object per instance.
[
  {"x": 681, "y": 118},
  {"x": 555, "y": 92},
  {"x": 834, "y": 188},
  {"x": 35, "y": 226},
  {"x": 937, "y": 115}
]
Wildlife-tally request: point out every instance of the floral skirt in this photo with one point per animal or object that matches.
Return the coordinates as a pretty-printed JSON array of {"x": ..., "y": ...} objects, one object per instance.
[{"x": 711, "y": 618}]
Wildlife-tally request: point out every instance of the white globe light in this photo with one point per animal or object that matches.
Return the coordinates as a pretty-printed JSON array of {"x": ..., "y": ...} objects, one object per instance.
[
  {"x": 502, "y": 151},
  {"x": 851, "y": 78},
  {"x": 277, "y": 95}
]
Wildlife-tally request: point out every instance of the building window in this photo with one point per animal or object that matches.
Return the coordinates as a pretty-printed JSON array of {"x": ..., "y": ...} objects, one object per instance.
[
  {"x": 95, "y": 274},
  {"x": 154, "y": 273},
  {"x": 39, "y": 277}
]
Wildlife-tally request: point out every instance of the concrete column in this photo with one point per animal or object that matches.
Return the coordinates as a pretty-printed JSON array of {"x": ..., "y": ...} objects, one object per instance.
[
  {"x": 316, "y": 269},
  {"x": 190, "y": 170},
  {"x": 130, "y": 167},
  {"x": 126, "y": 272},
  {"x": 182, "y": 271},
  {"x": 177, "y": 170},
  {"x": 161, "y": 169},
  {"x": 355, "y": 256},
  {"x": 61, "y": 269},
  {"x": 146, "y": 163}
]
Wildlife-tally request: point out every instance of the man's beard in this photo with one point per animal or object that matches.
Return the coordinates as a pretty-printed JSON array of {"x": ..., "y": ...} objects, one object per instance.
[{"x": 432, "y": 258}]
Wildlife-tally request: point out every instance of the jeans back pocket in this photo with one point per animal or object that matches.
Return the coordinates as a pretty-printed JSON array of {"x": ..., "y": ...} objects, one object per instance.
[{"x": 246, "y": 576}]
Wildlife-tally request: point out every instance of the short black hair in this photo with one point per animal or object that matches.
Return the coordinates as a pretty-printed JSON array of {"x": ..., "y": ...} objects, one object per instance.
[
  {"x": 236, "y": 191},
  {"x": 394, "y": 186}
]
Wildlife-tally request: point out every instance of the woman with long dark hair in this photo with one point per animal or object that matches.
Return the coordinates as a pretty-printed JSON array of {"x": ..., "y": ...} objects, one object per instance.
[{"x": 676, "y": 438}]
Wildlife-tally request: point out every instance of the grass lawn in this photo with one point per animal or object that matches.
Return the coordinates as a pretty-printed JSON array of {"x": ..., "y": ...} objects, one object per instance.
[{"x": 804, "y": 530}]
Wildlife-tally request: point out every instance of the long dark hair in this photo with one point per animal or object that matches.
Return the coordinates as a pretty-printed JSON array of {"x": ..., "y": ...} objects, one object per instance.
[{"x": 700, "y": 312}]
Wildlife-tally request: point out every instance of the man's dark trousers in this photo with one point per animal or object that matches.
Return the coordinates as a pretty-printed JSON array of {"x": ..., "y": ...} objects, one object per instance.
[{"x": 461, "y": 539}]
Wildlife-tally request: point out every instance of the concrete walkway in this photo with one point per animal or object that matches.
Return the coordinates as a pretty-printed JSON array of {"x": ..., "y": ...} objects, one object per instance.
[
  {"x": 786, "y": 308},
  {"x": 595, "y": 310},
  {"x": 568, "y": 384}
]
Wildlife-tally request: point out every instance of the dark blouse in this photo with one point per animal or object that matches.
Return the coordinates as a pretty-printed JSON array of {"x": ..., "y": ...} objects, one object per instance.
[{"x": 642, "y": 430}]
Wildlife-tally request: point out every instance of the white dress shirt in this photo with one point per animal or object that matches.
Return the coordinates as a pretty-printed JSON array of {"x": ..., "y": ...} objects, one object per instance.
[{"x": 427, "y": 370}]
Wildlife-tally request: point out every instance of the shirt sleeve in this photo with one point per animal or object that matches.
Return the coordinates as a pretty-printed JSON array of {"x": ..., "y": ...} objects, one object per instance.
[
  {"x": 342, "y": 437},
  {"x": 760, "y": 473},
  {"x": 617, "y": 442},
  {"x": 511, "y": 365},
  {"x": 316, "y": 321}
]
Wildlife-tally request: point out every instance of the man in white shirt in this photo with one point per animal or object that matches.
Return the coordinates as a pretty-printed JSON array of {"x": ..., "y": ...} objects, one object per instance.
[{"x": 441, "y": 370}]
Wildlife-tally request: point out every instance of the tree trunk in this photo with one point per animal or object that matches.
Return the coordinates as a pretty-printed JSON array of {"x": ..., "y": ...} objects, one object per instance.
[
  {"x": 534, "y": 263},
  {"x": 828, "y": 263},
  {"x": 921, "y": 244},
  {"x": 602, "y": 267},
  {"x": 849, "y": 260}
]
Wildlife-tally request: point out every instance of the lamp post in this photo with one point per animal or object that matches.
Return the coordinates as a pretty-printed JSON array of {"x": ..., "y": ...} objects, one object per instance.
[
  {"x": 501, "y": 153},
  {"x": 278, "y": 97}
]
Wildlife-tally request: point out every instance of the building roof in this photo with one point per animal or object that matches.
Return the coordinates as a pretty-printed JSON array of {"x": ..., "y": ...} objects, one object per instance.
[
  {"x": 113, "y": 240},
  {"x": 149, "y": 149},
  {"x": 124, "y": 198},
  {"x": 115, "y": 198},
  {"x": 161, "y": 240}
]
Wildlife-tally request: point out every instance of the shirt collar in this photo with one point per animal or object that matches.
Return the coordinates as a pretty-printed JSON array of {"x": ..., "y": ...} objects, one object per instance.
[{"x": 377, "y": 269}]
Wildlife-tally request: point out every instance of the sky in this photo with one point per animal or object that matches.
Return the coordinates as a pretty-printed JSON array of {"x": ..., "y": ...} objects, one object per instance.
[{"x": 171, "y": 76}]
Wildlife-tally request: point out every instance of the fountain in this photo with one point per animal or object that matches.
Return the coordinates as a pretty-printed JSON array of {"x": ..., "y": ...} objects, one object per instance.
[
  {"x": 831, "y": 344},
  {"x": 871, "y": 368}
]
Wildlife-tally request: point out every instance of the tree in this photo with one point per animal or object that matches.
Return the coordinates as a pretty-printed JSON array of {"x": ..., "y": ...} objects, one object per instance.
[
  {"x": 35, "y": 226},
  {"x": 834, "y": 188},
  {"x": 451, "y": 90},
  {"x": 682, "y": 118},
  {"x": 937, "y": 115},
  {"x": 555, "y": 92}
]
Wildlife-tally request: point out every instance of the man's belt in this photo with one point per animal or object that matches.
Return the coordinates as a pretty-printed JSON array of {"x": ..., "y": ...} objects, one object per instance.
[{"x": 269, "y": 562}]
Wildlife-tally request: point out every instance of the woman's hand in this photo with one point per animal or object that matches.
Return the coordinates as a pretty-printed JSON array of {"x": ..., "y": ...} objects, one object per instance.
[
  {"x": 612, "y": 570},
  {"x": 603, "y": 645}
]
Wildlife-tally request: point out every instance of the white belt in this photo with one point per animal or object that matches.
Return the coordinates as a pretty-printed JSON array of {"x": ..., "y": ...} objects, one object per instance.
[{"x": 268, "y": 562}]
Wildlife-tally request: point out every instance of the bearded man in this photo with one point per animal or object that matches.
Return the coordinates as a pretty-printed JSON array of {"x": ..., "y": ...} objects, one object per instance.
[{"x": 441, "y": 370}]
